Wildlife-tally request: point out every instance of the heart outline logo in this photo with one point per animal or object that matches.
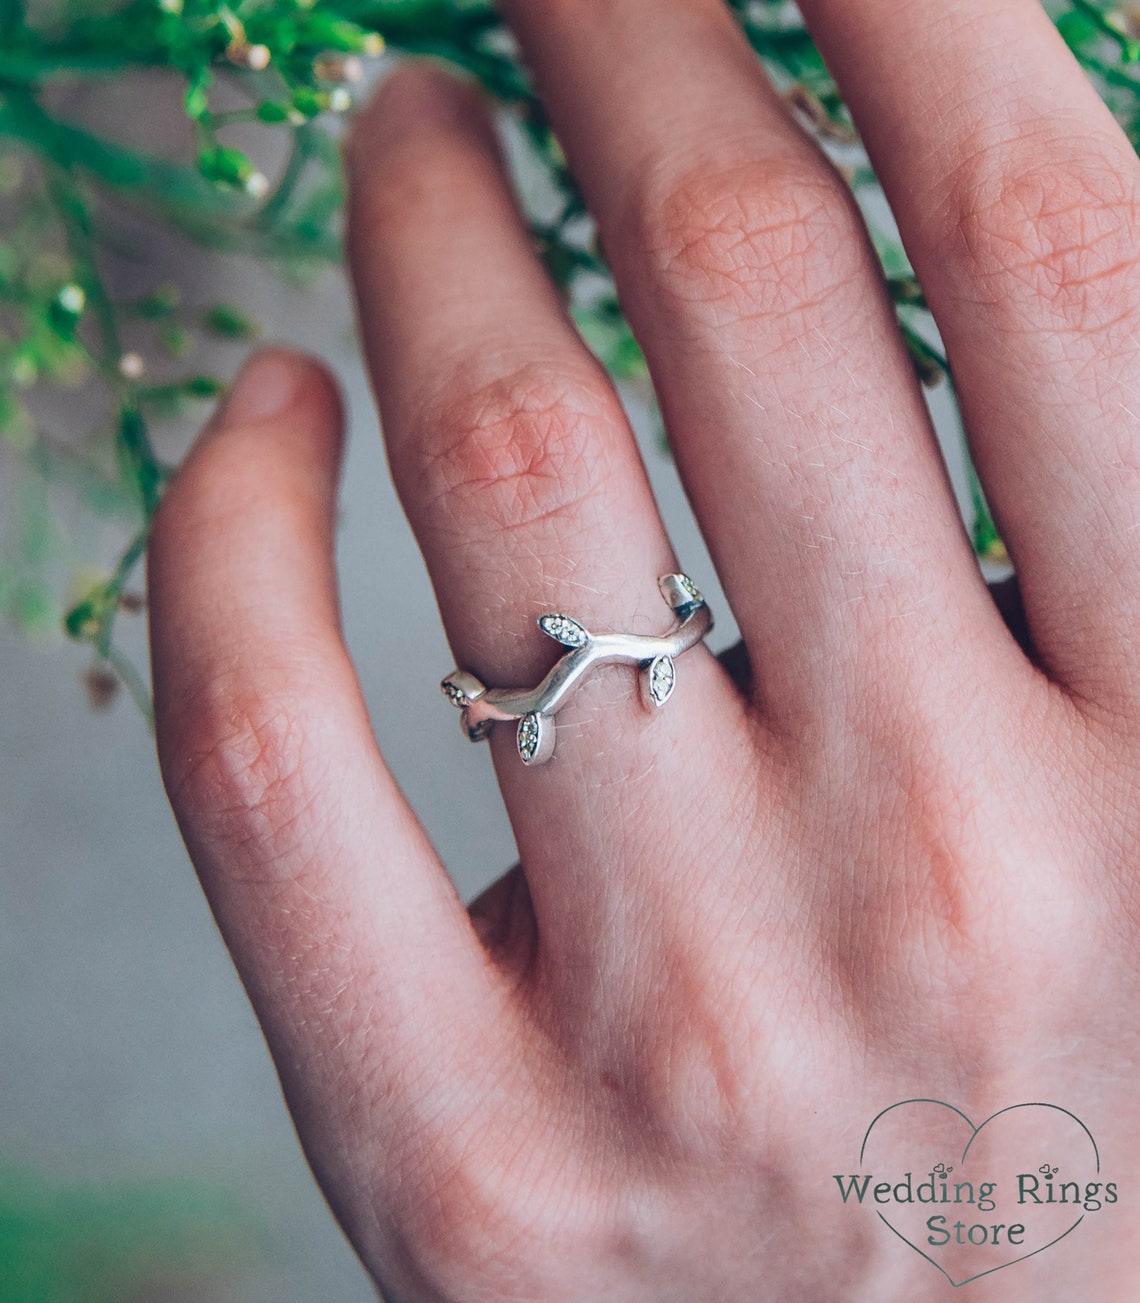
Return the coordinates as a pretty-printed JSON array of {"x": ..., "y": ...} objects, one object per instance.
[{"x": 975, "y": 1131}]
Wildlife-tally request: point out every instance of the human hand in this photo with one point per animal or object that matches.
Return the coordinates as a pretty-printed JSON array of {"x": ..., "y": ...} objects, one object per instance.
[{"x": 902, "y": 862}]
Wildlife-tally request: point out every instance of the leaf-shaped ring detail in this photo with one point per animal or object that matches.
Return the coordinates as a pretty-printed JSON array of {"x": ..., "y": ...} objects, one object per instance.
[{"x": 533, "y": 709}]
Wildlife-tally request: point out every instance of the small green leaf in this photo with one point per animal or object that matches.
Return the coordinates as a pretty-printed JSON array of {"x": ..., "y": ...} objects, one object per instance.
[
  {"x": 204, "y": 386},
  {"x": 161, "y": 302},
  {"x": 331, "y": 33},
  {"x": 197, "y": 102},
  {"x": 226, "y": 166},
  {"x": 138, "y": 460},
  {"x": 34, "y": 608},
  {"x": 229, "y": 322},
  {"x": 175, "y": 339},
  {"x": 66, "y": 308},
  {"x": 309, "y": 102},
  {"x": 84, "y": 620},
  {"x": 272, "y": 112},
  {"x": 1076, "y": 30},
  {"x": 16, "y": 426}
]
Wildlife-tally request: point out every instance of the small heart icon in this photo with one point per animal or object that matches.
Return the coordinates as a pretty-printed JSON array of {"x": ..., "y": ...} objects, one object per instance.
[{"x": 975, "y": 1199}]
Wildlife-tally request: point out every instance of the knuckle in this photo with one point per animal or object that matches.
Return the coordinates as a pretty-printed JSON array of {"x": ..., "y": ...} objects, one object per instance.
[
  {"x": 1057, "y": 232},
  {"x": 771, "y": 237},
  {"x": 511, "y": 452},
  {"x": 694, "y": 1083},
  {"x": 241, "y": 765},
  {"x": 691, "y": 1067},
  {"x": 482, "y": 1219},
  {"x": 948, "y": 866}
]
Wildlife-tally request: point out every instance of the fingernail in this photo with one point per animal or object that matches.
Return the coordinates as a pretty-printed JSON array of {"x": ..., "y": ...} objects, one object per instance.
[{"x": 264, "y": 387}]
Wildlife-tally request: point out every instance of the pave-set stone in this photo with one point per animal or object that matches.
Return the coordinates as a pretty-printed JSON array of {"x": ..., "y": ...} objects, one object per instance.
[
  {"x": 534, "y": 709},
  {"x": 454, "y": 694},
  {"x": 659, "y": 679},
  {"x": 564, "y": 630},
  {"x": 690, "y": 588},
  {"x": 529, "y": 738}
]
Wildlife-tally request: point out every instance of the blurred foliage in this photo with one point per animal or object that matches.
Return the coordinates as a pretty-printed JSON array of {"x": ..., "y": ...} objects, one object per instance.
[
  {"x": 288, "y": 66},
  {"x": 120, "y": 1242}
]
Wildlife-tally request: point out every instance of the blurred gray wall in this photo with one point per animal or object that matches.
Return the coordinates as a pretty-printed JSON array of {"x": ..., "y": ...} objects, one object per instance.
[{"x": 126, "y": 1044}]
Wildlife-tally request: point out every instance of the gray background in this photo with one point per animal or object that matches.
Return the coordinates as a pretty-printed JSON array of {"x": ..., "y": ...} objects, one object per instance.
[{"x": 126, "y": 1045}]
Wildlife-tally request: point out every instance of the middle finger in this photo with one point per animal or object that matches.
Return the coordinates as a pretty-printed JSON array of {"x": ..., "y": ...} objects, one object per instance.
[{"x": 798, "y": 424}]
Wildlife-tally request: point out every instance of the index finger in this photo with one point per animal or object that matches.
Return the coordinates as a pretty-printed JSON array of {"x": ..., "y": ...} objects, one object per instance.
[{"x": 358, "y": 955}]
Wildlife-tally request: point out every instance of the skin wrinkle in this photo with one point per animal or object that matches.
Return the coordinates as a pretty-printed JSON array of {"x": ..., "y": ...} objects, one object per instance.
[
  {"x": 512, "y": 451},
  {"x": 1074, "y": 271},
  {"x": 756, "y": 236},
  {"x": 252, "y": 780}
]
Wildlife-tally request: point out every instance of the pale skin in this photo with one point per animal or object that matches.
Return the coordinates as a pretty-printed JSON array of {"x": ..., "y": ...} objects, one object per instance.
[{"x": 902, "y": 859}]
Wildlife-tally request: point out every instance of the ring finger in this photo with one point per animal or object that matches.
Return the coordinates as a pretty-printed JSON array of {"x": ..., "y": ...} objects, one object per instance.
[{"x": 1018, "y": 197}]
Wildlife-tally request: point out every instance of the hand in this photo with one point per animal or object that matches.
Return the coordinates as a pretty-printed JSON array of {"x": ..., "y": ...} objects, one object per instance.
[{"x": 902, "y": 863}]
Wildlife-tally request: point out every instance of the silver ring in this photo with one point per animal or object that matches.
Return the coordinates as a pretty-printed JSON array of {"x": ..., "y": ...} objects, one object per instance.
[{"x": 535, "y": 708}]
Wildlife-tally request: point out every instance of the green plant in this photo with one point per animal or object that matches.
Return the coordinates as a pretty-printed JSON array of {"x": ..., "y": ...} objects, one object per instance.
[
  {"x": 288, "y": 66},
  {"x": 117, "y": 1241}
]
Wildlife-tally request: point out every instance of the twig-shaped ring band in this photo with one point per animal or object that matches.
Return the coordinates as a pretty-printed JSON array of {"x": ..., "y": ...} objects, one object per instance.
[{"x": 534, "y": 708}]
